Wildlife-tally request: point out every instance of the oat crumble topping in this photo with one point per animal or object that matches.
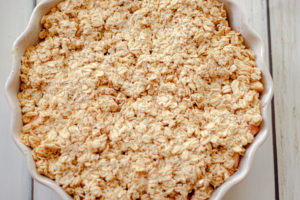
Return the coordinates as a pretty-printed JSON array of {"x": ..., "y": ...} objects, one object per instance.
[{"x": 152, "y": 99}]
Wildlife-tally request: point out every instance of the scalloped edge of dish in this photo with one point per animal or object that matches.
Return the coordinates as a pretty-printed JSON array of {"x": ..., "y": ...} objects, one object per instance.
[{"x": 237, "y": 21}]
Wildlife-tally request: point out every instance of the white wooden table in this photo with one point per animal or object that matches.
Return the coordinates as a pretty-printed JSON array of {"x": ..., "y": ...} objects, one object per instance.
[{"x": 275, "y": 173}]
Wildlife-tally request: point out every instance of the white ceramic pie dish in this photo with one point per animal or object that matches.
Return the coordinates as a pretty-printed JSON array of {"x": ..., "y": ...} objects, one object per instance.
[{"x": 30, "y": 36}]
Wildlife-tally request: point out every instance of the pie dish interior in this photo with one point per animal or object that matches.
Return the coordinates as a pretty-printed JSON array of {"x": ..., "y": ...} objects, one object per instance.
[{"x": 30, "y": 36}]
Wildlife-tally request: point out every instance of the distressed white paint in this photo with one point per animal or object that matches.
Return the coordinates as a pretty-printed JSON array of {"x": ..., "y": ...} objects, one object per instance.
[
  {"x": 15, "y": 181},
  {"x": 285, "y": 35}
]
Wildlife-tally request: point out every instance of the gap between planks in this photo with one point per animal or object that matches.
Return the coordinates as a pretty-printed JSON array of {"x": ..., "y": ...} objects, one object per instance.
[{"x": 273, "y": 107}]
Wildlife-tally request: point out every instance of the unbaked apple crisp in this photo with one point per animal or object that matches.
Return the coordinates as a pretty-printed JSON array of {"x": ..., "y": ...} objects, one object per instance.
[{"x": 139, "y": 99}]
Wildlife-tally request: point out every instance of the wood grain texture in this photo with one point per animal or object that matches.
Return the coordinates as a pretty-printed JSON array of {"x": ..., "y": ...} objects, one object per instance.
[
  {"x": 259, "y": 184},
  {"x": 15, "y": 180},
  {"x": 285, "y": 37}
]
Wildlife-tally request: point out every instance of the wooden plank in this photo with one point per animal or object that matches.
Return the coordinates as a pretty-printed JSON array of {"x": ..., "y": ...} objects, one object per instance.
[
  {"x": 285, "y": 37},
  {"x": 259, "y": 184},
  {"x": 15, "y": 180}
]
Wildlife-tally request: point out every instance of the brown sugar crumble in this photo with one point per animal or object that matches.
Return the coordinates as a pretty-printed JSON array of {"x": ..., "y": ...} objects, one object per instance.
[{"x": 152, "y": 99}]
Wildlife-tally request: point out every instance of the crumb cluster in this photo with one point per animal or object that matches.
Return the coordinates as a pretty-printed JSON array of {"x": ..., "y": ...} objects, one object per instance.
[{"x": 152, "y": 99}]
